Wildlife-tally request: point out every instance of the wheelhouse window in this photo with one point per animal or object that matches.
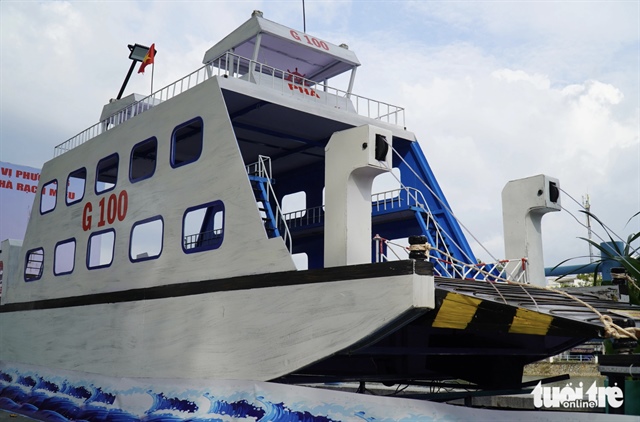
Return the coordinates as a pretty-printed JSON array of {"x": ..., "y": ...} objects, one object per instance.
[
  {"x": 143, "y": 160},
  {"x": 76, "y": 183},
  {"x": 203, "y": 227},
  {"x": 186, "y": 143},
  {"x": 34, "y": 264},
  {"x": 100, "y": 249},
  {"x": 107, "y": 173},
  {"x": 146, "y": 239},
  {"x": 48, "y": 197},
  {"x": 64, "y": 257}
]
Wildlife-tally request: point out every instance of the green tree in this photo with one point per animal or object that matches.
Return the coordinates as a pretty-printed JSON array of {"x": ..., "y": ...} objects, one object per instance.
[{"x": 626, "y": 255}]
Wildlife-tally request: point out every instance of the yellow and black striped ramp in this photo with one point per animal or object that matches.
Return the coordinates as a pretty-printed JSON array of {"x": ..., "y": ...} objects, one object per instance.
[{"x": 510, "y": 309}]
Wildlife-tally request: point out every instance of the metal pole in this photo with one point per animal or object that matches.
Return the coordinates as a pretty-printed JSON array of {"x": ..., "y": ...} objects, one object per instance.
[
  {"x": 126, "y": 80},
  {"x": 587, "y": 207},
  {"x": 304, "y": 19}
]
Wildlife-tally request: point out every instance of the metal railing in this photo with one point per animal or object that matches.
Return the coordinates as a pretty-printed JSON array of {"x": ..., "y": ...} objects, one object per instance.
[
  {"x": 398, "y": 198},
  {"x": 232, "y": 65},
  {"x": 306, "y": 217},
  {"x": 139, "y": 107},
  {"x": 574, "y": 358},
  {"x": 382, "y": 201},
  {"x": 261, "y": 168},
  {"x": 35, "y": 265},
  {"x": 207, "y": 238},
  {"x": 497, "y": 271}
]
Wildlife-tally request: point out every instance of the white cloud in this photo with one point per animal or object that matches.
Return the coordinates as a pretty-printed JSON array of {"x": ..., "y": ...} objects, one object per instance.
[
  {"x": 513, "y": 76},
  {"x": 482, "y": 125}
]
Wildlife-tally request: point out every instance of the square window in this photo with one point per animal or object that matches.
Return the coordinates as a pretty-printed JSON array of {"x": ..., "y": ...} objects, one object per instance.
[
  {"x": 75, "y": 186},
  {"x": 64, "y": 257},
  {"x": 100, "y": 249},
  {"x": 146, "y": 239},
  {"x": 107, "y": 174},
  {"x": 48, "y": 197},
  {"x": 186, "y": 143},
  {"x": 294, "y": 205},
  {"x": 203, "y": 227},
  {"x": 143, "y": 160}
]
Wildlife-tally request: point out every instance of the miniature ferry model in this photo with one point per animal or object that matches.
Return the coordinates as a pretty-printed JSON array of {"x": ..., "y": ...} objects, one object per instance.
[{"x": 174, "y": 260}]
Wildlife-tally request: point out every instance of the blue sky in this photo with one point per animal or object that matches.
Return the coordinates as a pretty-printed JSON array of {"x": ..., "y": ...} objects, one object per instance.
[{"x": 494, "y": 91}]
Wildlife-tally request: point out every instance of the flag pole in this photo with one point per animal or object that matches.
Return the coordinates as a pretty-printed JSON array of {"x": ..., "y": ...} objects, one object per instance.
[{"x": 153, "y": 67}]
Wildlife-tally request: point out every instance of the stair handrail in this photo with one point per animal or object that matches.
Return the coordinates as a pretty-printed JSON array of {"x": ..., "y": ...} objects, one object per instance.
[
  {"x": 421, "y": 203},
  {"x": 263, "y": 169},
  {"x": 416, "y": 199},
  {"x": 518, "y": 273}
]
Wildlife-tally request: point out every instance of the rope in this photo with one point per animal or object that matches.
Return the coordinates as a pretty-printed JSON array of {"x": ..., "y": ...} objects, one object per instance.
[
  {"x": 444, "y": 205},
  {"x": 611, "y": 329},
  {"x": 438, "y": 228}
]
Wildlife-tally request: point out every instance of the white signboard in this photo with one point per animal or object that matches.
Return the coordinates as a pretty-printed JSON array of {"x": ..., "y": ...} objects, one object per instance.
[{"x": 18, "y": 187}]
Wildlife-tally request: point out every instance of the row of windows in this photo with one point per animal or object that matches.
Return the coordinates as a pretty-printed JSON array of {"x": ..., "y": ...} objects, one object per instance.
[
  {"x": 202, "y": 230},
  {"x": 186, "y": 147}
]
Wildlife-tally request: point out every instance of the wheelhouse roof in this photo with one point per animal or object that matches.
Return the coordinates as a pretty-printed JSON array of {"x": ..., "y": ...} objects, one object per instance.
[{"x": 285, "y": 49}]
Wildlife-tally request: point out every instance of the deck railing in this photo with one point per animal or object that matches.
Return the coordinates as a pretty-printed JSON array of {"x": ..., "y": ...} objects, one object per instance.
[
  {"x": 232, "y": 65},
  {"x": 306, "y": 217},
  {"x": 202, "y": 239}
]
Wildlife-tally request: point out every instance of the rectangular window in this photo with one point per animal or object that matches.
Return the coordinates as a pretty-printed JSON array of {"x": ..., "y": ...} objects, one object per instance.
[
  {"x": 75, "y": 186},
  {"x": 294, "y": 205},
  {"x": 64, "y": 257},
  {"x": 100, "y": 249},
  {"x": 146, "y": 239},
  {"x": 186, "y": 143},
  {"x": 48, "y": 197},
  {"x": 203, "y": 227},
  {"x": 107, "y": 173},
  {"x": 34, "y": 264},
  {"x": 143, "y": 160}
]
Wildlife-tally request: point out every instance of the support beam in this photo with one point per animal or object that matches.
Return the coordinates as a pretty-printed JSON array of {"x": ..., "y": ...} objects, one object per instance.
[
  {"x": 353, "y": 157},
  {"x": 524, "y": 202}
]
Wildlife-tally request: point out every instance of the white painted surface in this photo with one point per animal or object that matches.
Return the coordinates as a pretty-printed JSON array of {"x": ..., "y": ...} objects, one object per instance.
[
  {"x": 524, "y": 202},
  {"x": 219, "y": 174},
  {"x": 349, "y": 172},
  {"x": 256, "y": 334},
  {"x": 9, "y": 256}
]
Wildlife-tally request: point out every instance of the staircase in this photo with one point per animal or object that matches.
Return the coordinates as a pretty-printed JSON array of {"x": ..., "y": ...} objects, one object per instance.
[
  {"x": 261, "y": 193},
  {"x": 262, "y": 185}
]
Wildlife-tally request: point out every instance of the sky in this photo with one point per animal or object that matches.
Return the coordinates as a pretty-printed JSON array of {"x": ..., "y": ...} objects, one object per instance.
[{"x": 494, "y": 91}]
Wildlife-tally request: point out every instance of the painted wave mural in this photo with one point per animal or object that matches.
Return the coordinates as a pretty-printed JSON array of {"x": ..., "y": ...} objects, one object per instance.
[{"x": 61, "y": 396}]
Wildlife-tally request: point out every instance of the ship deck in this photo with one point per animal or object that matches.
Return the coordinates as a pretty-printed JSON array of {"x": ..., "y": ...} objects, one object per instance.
[{"x": 475, "y": 328}]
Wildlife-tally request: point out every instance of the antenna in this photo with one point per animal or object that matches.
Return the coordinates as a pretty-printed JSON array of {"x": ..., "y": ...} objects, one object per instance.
[
  {"x": 587, "y": 207},
  {"x": 304, "y": 19}
]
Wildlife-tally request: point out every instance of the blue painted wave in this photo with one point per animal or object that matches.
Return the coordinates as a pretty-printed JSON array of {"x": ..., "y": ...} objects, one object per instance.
[{"x": 60, "y": 399}]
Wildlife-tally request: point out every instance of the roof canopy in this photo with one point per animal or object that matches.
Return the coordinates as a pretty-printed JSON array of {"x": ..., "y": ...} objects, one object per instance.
[{"x": 285, "y": 49}]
